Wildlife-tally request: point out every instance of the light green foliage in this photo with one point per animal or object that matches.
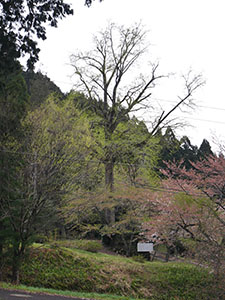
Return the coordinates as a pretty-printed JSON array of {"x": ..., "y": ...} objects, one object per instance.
[
  {"x": 59, "y": 134},
  {"x": 48, "y": 166},
  {"x": 137, "y": 152},
  {"x": 120, "y": 212},
  {"x": 58, "y": 124}
]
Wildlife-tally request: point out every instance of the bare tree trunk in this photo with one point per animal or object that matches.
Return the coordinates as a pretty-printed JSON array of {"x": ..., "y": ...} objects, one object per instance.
[
  {"x": 1, "y": 260},
  {"x": 109, "y": 159},
  {"x": 16, "y": 267},
  {"x": 109, "y": 184},
  {"x": 109, "y": 215},
  {"x": 109, "y": 179},
  {"x": 18, "y": 253},
  {"x": 109, "y": 175},
  {"x": 167, "y": 254}
]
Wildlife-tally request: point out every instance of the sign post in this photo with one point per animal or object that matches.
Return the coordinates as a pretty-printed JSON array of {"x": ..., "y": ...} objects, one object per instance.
[{"x": 145, "y": 247}]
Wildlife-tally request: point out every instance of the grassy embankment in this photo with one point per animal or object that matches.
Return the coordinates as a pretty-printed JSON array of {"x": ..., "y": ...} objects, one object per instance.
[{"x": 70, "y": 269}]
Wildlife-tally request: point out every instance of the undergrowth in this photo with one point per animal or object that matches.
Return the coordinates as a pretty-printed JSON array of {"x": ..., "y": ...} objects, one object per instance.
[{"x": 78, "y": 270}]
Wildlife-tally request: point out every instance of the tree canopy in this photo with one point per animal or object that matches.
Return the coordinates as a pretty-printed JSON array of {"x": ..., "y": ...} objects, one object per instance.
[{"x": 22, "y": 22}]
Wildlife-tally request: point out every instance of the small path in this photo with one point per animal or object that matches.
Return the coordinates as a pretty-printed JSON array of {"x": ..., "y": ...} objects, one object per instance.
[{"x": 21, "y": 295}]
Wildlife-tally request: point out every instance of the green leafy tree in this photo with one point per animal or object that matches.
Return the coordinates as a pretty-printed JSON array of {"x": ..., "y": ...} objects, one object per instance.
[
  {"x": 48, "y": 167},
  {"x": 22, "y": 21},
  {"x": 13, "y": 103}
]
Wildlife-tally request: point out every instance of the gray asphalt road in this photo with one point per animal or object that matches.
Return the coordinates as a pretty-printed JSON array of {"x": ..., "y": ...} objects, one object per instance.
[{"x": 20, "y": 295}]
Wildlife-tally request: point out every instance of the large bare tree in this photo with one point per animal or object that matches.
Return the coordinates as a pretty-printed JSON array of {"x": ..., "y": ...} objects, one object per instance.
[{"x": 105, "y": 76}]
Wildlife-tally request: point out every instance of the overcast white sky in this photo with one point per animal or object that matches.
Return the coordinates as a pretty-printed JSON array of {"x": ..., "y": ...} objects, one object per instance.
[{"x": 183, "y": 34}]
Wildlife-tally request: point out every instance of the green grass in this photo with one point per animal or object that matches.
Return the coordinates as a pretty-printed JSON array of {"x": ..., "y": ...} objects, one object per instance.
[
  {"x": 101, "y": 276},
  {"x": 96, "y": 296},
  {"x": 87, "y": 245}
]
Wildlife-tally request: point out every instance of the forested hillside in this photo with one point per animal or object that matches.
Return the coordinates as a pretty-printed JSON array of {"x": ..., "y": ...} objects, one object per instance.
[
  {"x": 83, "y": 166},
  {"x": 53, "y": 171}
]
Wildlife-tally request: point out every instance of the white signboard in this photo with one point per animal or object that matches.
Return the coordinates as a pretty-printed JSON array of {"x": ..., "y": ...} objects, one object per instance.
[{"x": 145, "y": 247}]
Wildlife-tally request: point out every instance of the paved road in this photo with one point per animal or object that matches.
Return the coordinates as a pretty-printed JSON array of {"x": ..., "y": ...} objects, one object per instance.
[{"x": 21, "y": 295}]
